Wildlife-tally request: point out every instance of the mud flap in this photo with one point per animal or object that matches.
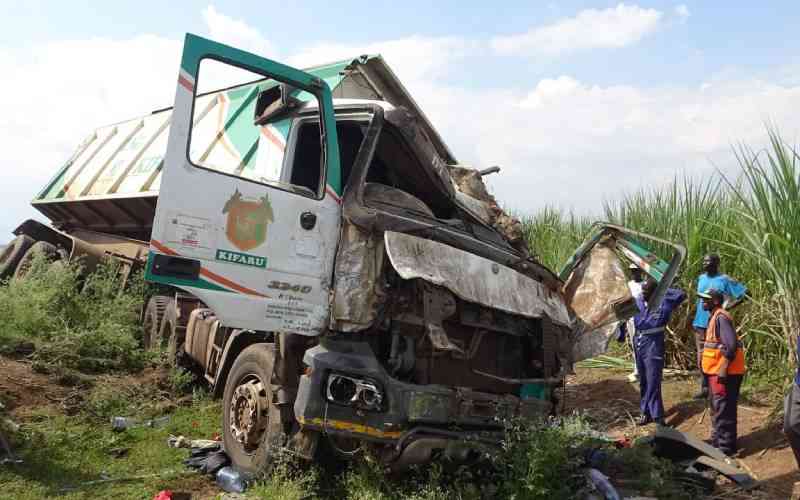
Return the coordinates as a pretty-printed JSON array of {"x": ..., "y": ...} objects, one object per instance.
[{"x": 596, "y": 283}]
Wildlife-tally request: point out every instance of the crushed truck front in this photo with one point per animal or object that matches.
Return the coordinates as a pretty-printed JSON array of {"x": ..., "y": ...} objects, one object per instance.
[{"x": 353, "y": 282}]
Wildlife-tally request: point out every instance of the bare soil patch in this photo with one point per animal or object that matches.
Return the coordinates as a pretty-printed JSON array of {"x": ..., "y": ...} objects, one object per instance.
[{"x": 607, "y": 397}]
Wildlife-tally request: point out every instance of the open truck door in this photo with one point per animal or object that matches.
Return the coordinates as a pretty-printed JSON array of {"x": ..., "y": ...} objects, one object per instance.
[
  {"x": 596, "y": 282},
  {"x": 247, "y": 228}
]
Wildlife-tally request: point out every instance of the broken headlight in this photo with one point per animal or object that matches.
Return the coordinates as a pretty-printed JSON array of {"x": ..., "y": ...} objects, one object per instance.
[{"x": 353, "y": 391}]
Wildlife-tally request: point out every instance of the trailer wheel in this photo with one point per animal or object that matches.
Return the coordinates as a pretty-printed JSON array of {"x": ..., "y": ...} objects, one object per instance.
[
  {"x": 48, "y": 250},
  {"x": 12, "y": 254},
  {"x": 251, "y": 425},
  {"x": 151, "y": 322}
]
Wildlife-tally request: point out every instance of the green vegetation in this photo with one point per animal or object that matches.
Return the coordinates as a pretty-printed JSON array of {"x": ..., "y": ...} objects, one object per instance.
[
  {"x": 76, "y": 323},
  {"x": 541, "y": 460},
  {"x": 81, "y": 457},
  {"x": 753, "y": 222}
]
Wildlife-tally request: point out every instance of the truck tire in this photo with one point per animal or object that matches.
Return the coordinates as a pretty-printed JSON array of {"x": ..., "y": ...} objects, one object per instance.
[
  {"x": 251, "y": 425},
  {"x": 173, "y": 338},
  {"x": 49, "y": 251},
  {"x": 152, "y": 320},
  {"x": 12, "y": 254}
]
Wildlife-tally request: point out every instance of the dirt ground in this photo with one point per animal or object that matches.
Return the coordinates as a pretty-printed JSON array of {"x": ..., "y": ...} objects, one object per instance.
[
  {"x": 611, "y": 400},
  {"x": 605, "y": 395}
]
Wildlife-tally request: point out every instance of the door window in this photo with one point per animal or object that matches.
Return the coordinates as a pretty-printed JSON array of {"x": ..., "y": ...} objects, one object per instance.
[{"x": 227, "y": 137}]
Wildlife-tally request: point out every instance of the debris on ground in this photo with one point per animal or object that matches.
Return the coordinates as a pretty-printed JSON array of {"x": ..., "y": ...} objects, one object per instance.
[
  {"x": 231, "y": 480},
  {"x": 208, "y": 459},
  {"x": 602, "y": 484},
  {"x": 172, "y": 495},
  {"x": 183, "y": 442},
  {"x": 118, "y": 452},
  {"x": 122, "y": 423}
]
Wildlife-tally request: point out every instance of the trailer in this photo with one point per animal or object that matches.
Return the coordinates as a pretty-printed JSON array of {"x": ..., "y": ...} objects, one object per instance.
[{"x": 328, "y": 268}]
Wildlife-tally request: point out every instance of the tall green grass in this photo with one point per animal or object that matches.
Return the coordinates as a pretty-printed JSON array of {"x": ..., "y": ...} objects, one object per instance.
[
  {"x": 74, "y": 322},
  {"x": 751, "y": 220}
]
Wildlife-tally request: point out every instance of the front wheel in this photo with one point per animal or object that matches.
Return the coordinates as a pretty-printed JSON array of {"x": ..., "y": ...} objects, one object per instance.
[{"x": 249, "y": 429}]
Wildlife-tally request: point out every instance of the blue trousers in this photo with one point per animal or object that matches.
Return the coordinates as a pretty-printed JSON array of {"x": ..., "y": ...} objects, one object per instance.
[{"x": 650, "y": 364}]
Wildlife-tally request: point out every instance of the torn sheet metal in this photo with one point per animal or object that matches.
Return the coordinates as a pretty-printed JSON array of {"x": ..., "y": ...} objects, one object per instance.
[
  {"x": 598, "y": 288},
  {"x": 598, "y": 292},
  {"x": 472, "y": 278},
  {"x": 357, "y": 294},
  {"x": 592, "y": 343},
  {"x": 732, "y": 472}
]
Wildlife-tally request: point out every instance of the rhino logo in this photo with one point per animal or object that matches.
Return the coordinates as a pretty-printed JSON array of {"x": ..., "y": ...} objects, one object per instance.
[{"x": 246, "y": 227}]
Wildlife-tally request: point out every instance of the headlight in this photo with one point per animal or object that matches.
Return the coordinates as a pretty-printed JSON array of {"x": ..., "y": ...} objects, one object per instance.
[{"x": 351, "y": 391}]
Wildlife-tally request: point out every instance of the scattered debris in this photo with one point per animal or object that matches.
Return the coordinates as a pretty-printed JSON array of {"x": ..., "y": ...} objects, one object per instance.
[
  {"x": 183, "y": 442},
  {"x": 172, "y": 495},
  {"x": 732, "y": 472},
  {"x": 207, "y": 460},
  {"x": 118, "y": 452},
  {"x": 602, "y": 484},
  {"x": 231, "y": 480},
  {"x": 122, "y": 423}
]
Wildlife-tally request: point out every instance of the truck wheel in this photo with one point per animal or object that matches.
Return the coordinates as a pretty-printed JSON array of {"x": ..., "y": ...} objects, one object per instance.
[
  {"x": 174, "y": 338},
  {"x": 11, "y": 255},
  {"x": 151, "y": 322},
  {"x": 249, "y": 428},
  {"x": 49, "y": 251}
]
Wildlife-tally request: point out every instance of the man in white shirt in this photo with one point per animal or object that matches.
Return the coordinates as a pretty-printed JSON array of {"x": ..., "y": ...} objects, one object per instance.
[{"x": 635, "y": 286}]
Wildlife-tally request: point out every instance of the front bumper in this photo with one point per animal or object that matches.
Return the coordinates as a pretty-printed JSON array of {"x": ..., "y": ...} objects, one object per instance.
[{"x": 406, "y": 408}]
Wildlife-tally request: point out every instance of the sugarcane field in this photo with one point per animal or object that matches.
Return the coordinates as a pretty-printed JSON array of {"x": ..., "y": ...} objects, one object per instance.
[{"x": 417, "y": 251}]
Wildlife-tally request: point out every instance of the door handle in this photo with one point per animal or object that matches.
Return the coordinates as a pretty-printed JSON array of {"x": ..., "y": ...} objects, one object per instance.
[{"x": 308, "y": 220}]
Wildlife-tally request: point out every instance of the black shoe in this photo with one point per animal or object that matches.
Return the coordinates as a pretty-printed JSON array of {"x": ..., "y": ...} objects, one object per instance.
[
  {"x": 703, "y": 394},
  {"x": 644, "y": 420}
]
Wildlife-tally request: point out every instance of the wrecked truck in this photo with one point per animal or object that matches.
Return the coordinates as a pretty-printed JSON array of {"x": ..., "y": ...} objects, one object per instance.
[{"x": 325, "y": 264}]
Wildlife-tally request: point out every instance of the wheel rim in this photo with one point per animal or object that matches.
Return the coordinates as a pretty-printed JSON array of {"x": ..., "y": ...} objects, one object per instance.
[{"x": 249, "y": 413}]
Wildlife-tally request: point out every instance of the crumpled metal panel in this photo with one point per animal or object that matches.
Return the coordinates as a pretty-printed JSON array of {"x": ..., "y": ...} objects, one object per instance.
[
  {"x": 597, "y": 291},
  {"x": 359, "y": 264},
  {"x": 473, "y": 278}
]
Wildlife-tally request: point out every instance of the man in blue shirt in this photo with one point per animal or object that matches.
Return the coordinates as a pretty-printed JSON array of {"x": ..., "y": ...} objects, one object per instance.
[
  {"x": 734, "y": 293},
  {"x": 649, "y": 344},
  {"x": 791, "y": 415}
]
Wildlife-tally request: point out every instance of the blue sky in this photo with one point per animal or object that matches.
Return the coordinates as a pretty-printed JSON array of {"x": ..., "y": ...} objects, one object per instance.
[{"x": 578, "y": 101}]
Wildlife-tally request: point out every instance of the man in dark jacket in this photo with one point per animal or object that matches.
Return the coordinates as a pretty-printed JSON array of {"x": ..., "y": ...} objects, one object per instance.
[{"x": 723, "y": 363}]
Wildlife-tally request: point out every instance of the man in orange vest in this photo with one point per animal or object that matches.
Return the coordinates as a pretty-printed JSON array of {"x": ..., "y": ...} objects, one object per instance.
[{"x": 723, "y": 363}]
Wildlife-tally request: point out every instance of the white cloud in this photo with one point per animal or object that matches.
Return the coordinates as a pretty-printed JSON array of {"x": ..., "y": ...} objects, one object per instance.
[
  {"x": 590, "y": 29},
  {"x": 62, "y": 92},
  {"x": 682, "y": 11},
  {"x": 570, "y": 143},
  {"x": 236, "y": 33},
  {"x": 561, "y": 141}
]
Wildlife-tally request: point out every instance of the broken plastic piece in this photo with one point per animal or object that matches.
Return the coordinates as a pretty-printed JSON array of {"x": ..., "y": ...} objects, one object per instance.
[
  {"x": 231, "y": 480},
  {"x": 603, "y": 485}
]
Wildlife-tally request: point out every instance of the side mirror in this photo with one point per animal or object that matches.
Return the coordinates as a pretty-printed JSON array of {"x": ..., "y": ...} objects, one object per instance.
[{"x": 274, "y": 102}]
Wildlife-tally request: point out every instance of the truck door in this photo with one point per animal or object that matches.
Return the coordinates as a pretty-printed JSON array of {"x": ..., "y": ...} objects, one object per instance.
[
  {"x": 230, "y": 227},
  {"x": 596, "y": 282}
]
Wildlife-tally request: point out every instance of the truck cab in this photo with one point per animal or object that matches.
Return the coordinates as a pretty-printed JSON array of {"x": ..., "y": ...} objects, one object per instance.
[{"x": 341, "y": 278}]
